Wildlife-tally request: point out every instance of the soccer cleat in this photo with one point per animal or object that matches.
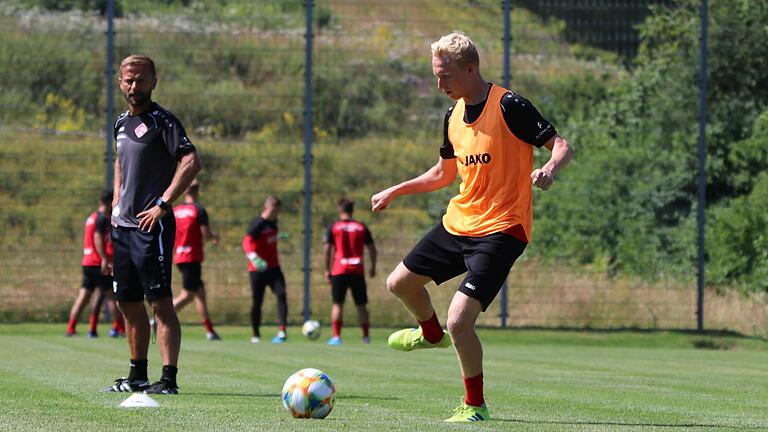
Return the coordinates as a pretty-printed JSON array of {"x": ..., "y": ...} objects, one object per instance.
[
  {"x": 280, "y": 338},
  {"x": 411, "y": 339},
  {"x": 334, "y": 341},
  {"x": 92, "y": 334},
  {"x": 212, "y": 336},
  {"x": 255, "y": 339},
  {"x": 72, "y": 334},
  {"x": 163, "y": 386},
  {"x": 113, "y": 333},
  {"x": 124, "y": 385},
  {"x": 469, "y": 413},
  {"x": 366, "y": 340}
]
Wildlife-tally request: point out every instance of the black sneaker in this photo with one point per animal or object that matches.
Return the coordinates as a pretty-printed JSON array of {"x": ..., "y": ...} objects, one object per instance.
[
  {"x": 163, "y": 387},
  {"x": 124, "y": 385}
]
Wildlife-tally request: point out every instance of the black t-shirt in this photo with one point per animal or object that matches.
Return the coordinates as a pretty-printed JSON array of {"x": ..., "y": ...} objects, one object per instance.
[
  {"x": 260, "y": 224},
  {"x": 149, "y": 147},
  {"x": 521, "y": 117}
]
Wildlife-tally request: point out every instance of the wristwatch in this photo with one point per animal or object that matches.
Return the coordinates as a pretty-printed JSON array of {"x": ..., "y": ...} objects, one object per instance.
[{"x": 162, "y": 204}]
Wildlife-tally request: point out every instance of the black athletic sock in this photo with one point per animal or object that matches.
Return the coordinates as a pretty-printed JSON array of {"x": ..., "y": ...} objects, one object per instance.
[
  {"x": 138, "y": 370},
  {"x": 169, "y": 373}
]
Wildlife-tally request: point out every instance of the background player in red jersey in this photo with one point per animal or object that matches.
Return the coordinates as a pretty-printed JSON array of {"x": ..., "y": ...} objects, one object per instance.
[
  {"x": 97, "y": 271},
  {"x": 260, "y": 247},
  {"x": 345, "y": 241},
  {"x": 192, "y": 228}
]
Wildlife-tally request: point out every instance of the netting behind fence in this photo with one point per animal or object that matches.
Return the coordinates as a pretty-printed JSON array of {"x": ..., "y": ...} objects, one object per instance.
[{"x": 235, "y": 78}]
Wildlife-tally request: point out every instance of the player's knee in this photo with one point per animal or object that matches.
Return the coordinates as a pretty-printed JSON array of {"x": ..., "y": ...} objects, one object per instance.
[
  {"x": 394, "y": 284},
  {"x": 163, "y": 308},
  {"x": 457, "y": 326}
]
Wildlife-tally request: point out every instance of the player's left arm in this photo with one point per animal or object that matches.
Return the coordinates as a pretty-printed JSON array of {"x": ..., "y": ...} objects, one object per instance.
[
  {"x": 179, "y": 147},
  {"x": 100, "y": 244},
  {"x": 372, "y": 253},
  {"x": 528, "y": 125},
  {"x": 562, "y": 153},
  {"x": 208, "y": 234},
  {"x": 205, "y": 226},
  {"x": 188, "y": 167}
]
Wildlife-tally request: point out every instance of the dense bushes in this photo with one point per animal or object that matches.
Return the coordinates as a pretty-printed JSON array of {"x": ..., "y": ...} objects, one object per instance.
[{"x": 636, "y": 160}]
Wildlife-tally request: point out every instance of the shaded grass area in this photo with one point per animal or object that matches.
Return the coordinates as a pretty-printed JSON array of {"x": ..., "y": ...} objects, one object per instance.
[{"x": 535, "y": 380}]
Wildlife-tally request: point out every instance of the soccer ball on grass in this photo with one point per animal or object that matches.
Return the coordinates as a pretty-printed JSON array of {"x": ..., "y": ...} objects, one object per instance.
[
  {"x": 308, "y": 393},
  {"x": 311, "y": 329}
]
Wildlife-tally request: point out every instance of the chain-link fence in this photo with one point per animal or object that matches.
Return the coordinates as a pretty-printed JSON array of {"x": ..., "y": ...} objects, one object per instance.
[{"x": 234, "y": 75}]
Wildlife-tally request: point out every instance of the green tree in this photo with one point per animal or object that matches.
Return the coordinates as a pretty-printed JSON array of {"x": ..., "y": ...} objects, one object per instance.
[{"x": 634, "y": 177}]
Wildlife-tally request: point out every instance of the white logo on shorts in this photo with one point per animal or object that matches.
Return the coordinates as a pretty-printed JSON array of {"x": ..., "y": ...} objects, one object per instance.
[
  {"x": 114, "y": 286},
  {"x": 470, "y": 286}
]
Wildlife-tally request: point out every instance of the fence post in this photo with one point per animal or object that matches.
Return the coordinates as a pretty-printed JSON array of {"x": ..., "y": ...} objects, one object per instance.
[
  {"x": 702, "y": 186},
  {"x": 307, "y": 159},
  {"x": 109, "y": 73},
  {"x": 504, "y": 299}
]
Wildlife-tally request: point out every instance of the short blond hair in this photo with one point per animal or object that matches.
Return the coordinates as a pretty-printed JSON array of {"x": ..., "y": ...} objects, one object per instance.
[
  {"x": 457, "y": 48},
  {"x": 136, "y": 59}
]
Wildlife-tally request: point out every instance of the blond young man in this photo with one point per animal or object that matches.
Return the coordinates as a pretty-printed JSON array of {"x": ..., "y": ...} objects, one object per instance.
[{"x": 489, "y": 137}]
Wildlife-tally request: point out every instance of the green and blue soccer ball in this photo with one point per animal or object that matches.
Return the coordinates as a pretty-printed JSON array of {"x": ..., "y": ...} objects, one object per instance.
[{"x": 309, "y": 393}]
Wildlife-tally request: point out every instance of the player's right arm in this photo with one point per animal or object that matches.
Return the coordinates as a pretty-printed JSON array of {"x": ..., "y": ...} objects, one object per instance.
[
  {"x": 437, "y": 177},
  {"x": 250, "y": 247},
  {"x": 328, "y": 250},
  {"x": 328, "y": 254},
  {"x": 116, "y": 185},
  {"x": 442, "y": 174}
]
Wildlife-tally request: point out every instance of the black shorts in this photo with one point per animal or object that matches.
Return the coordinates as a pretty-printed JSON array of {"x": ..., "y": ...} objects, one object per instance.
[
  {"x": 190, "y": 276},
  {"x": 272, "y": 277},
  {"x": 143, "y": 261},
  {"x": 487, "y": 260},
  {"x": 355, "y": 282},
  {"x": 93, "y": 278}
]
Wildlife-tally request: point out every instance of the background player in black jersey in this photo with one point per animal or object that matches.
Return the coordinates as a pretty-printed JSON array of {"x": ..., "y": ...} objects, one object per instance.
[{"x": 155, "y": 164}]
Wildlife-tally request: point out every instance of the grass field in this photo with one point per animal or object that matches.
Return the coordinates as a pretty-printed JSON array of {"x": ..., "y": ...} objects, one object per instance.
[{"x": 536, "y": 381}]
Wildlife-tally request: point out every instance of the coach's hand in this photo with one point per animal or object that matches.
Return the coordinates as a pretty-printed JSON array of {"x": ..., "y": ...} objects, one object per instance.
[
  {"x": 381, "y": 200},
  {"x": 148, "y": 218},
  {"x": 542, "y": 179}
]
